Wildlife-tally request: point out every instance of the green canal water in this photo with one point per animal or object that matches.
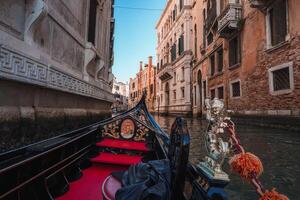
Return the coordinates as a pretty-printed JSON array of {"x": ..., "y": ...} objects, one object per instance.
[{"x": 279, "y": 150}]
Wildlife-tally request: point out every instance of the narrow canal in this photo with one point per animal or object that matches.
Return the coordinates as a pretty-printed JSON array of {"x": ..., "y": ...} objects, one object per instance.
[{"x": 279, "y": 151}]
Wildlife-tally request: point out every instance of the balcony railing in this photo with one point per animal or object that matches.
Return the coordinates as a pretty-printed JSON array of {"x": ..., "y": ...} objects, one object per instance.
[{"x": 229, "y": 20}]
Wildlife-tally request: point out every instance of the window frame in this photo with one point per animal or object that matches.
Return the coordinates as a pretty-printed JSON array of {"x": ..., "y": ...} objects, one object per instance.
[
  {"x": 291, "y": 78},
  {"x": 174, "y": 94},
  {"x": 217, "y": 91},
  {"x": 231, "y": 89},
  {"x": 239, "y": 44},
  {"x": 210, "y": 91},
  {"x": 268, "y": 27},
  {"x": 182, "y": 89},
  {"x": 220, "y": 49},
  {"x": 212, "y": 67}
]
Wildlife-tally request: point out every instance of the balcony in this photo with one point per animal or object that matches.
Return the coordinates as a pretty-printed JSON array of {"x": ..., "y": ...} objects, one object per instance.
[
  {"x": 165, "y": 72},
  {"x": 260, "y": 4},
  {"x": 230, "y": 20}
]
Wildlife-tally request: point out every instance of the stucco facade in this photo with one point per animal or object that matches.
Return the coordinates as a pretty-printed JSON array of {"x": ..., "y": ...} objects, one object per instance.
[
  {"x": 174, "y": 57},
  {"x": 247, "y": 53},
  {"x": 144, "y": 81},
  {"x": 63, "y": 48}
]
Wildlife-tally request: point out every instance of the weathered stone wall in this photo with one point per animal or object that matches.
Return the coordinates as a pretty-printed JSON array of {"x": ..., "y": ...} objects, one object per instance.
[
  {"x": 29, "y": 114},
  {"x": 257, "y": 57},
  {"x": 12, "y": 16}
]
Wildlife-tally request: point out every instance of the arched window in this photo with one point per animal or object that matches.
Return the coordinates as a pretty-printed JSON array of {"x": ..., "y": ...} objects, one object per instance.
[
  {"x": 180, "y": 4},
  {"x": 175, "y": 12},
  {"x": 195, "y": 40}
]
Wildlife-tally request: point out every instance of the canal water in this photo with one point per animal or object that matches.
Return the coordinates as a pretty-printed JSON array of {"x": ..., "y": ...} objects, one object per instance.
[{"x": 279, "y": 150}]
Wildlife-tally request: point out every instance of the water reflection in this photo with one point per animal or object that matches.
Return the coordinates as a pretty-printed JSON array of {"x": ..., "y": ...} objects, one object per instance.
[{"x": 279, "y": 151}]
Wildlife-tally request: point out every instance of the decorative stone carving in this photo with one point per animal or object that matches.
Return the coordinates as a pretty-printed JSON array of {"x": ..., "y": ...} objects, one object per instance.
[
  {"x": 99, "y": 67},
  {"x": 36, "y": 11},
  {"x": 89, "y": 58},
  {"x": 16, "y": 66}
]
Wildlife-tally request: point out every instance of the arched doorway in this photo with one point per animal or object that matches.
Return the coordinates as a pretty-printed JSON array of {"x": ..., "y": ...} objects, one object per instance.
[
  {"x": 167, "y": 95},
  {"x": 199, "y": 84}
]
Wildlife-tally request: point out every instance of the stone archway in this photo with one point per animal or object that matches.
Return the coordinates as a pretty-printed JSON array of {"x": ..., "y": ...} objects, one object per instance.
[{"x": 199, "y": 84}]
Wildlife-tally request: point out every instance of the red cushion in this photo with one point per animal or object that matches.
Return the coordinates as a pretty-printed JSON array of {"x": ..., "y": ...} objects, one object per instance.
[
  {"x": 110, "y": 187},
  {"x": 123, "y": 144},
  {"x": 118, "y": 159}
]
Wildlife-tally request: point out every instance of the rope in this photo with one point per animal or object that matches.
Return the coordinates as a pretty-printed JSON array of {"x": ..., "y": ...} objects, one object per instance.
[{"x": 252, "y": 163}]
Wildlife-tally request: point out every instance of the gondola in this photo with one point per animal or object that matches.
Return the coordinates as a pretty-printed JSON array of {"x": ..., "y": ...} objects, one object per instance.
[{"x": 82, "y": 164}]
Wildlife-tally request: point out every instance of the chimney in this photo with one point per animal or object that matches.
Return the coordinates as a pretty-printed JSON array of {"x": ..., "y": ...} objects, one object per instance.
[
  {"x": 150, "y": 61},
  {"x": 141, "y": 65}
]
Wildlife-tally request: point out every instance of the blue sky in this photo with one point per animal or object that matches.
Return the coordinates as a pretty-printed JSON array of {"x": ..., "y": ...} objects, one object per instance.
[{"x": 135, "y": 35}]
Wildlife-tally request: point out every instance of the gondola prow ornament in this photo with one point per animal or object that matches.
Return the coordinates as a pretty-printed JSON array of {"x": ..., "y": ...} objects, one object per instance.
[
  {"x": 246, "y": 164},
  {"x": 217, "y": 149}
]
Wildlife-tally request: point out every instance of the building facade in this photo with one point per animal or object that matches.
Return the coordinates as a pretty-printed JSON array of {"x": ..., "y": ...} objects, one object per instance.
[
  {"x": 121, "y": 93},
  {"x": 246, "y": 52},
  {"x": 174, "y": 57},
  {"x": 144, "y": 81},
  {"x": 55, "y": 61}
]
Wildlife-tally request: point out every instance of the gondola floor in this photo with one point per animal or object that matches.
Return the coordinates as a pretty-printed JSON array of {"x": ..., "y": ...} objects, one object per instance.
[{"x": 88, "y": 187}]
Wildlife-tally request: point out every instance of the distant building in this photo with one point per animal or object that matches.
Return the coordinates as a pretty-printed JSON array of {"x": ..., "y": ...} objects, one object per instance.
[
  {"x": 121, "y": 93},
  {"x": 174, "y": 57},
  {"x": 247, "y": 53},
  {"x": 144, "y": 81},
  {"x": 55, "y": 62}
]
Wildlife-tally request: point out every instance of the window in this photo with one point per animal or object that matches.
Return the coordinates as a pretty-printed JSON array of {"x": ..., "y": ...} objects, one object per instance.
[
  {"x": 195, "y": 40},
  {"x": 92, "y": 21},
  {"x": 180, "y": 4},
  {"x": 277, "y": 22},
  {"x": 212, "y": 64},
  {"x": 221, "y": 92},
  {"x": 212, "y": 93},
  {"x": 281, "y": 78},
  {"x": 234, "y": 51},
  {"x": 181, "y": 44},
  {"x": 174, "y": 78},
  {"x": 182, "y": 92},
  {"x": 151, "y": 89},
  {"x": 210, "y": 38},
  {"x": 175, "y": 13},
  {"x": 182, "y": 72},
  {"x": 195, "y": 95},
  {"x": 173, "y": 52},
  {"x": 204, "y": 89},
  {"x": 174, "y": 94},
  {"x": 235, "y": 89},
  {"x": 220, "y": 60},
  {"x": 204, "y": 30}
]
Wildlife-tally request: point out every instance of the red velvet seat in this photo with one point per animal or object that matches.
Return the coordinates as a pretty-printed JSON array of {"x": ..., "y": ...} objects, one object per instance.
[{"x": 110, "y": 187}]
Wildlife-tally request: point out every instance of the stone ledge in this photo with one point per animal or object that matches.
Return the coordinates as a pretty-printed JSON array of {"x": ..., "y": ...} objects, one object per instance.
[{"x": 18, "y": 67}]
